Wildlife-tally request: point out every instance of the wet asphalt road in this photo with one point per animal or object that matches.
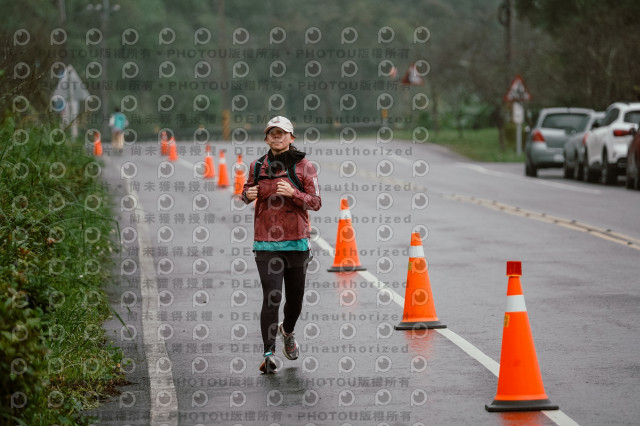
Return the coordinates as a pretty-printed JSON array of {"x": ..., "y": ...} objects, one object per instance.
[{"x": 190, "y": 295}]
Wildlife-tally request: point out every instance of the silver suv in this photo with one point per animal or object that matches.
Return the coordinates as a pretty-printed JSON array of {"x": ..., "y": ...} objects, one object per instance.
[
  {"x": 575, "y": 146},
  {"x": 545, "y": 143},
  {"x": 606, "y": 146}
]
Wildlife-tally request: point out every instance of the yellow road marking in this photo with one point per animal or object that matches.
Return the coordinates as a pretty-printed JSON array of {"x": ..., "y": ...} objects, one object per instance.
[{"x": 605, "y": 234}]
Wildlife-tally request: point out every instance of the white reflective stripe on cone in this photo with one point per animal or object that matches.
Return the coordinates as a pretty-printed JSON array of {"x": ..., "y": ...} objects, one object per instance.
[
  {"x": 416, "y": 251},
  {"x": 345, "y": 214},
  {"x": 516, "y": 304}
]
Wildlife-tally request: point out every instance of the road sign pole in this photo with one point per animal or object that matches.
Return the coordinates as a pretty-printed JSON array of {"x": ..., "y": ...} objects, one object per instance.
[
  {"x": 75, "y": 108},
  {"x": 518, "y": 117},
  {"x": 518, "y": 139}
]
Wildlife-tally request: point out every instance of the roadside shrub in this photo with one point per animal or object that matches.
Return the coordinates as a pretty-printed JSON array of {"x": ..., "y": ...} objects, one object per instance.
[{"x": 56, "y": 244}]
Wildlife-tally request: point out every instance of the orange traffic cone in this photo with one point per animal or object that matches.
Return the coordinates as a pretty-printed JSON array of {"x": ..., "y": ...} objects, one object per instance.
[
  {"x": 346, "y": 258},
  {"x": 240, "y": 176},
  {"x": 164, "y": 144},
  {"x": 520, "y": 385},
  {"x": 419, "y": 307},
  {"x": 210, "y": 171},
  {"x": 97, "y": 145},
  {"x": 173, "y": 150},
  {"x": 223, "y": 174}
]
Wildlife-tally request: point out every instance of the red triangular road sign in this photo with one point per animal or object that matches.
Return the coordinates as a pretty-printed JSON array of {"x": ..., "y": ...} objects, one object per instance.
[
  {"x": 411, "y": 77},
  {"x": 517, "y": 92}
]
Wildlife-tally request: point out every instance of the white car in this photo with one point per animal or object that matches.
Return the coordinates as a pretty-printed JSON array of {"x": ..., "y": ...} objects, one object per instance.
[{"x": 606, "y": 145}]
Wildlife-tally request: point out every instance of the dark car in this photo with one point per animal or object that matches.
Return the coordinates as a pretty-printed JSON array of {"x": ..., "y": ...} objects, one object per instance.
[
  {"x": 633, "y": 162},
  {"x": 574, "y": 148},
  {"x": 545, "y": 143}
]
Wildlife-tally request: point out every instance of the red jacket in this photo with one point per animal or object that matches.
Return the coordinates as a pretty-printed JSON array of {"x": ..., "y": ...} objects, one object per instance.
[{"x": 280, "y": 218}]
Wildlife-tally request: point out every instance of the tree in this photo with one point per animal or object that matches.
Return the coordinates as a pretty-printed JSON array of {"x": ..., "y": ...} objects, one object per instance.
[{"x": 593, "y": 59}]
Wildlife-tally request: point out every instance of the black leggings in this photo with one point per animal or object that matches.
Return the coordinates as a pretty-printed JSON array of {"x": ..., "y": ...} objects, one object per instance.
[{"x": 274, "y": 268}]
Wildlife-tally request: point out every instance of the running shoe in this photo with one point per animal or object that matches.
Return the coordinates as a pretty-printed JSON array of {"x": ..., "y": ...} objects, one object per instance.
[
  {"x": 289, "y": 343},
  {"x": 268, "y": 365}
]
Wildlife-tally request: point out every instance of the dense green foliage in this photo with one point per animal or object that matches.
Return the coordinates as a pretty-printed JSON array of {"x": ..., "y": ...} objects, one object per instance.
[
  {"x": 594, "y": 50},
  {"x": 558, "y": 48},
  {"x": 55, "y": 254}
]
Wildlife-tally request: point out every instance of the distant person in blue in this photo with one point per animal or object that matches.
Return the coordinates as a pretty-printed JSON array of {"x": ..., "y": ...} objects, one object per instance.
[{"x": 118, "y": 122}]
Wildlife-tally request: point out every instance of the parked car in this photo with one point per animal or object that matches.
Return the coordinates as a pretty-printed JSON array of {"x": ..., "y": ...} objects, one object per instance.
[
  {"x": 633, "y": 162},
  {"x": 607, "y": 145},
  {"x": 545, "y": 143},
  {"x": 574, "y": 148}
]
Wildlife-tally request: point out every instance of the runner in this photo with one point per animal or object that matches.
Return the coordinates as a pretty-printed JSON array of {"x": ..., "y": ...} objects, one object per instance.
[{"x": 285, "y": 186}]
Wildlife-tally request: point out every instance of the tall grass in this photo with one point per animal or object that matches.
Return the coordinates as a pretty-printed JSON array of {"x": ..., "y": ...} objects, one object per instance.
[
  {"x": 56, "y": 245},
  {"x": 479, "y": 145}
]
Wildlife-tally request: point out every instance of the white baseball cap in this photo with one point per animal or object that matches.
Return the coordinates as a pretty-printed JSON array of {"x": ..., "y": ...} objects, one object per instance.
[{"x": 281, "y": 123}]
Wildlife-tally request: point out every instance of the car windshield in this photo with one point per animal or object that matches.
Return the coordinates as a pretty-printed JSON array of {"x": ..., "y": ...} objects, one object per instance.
[
  {"x": 632, "y": 117},
  {"x": 577, "y": 122}
]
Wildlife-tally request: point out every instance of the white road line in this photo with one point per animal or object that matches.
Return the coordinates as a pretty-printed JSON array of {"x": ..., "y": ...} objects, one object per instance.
[
  {"x": 380, "y": 286},
  {"x": 471, "y": 350},
  {"x": 324, "y": 245},
  {"x": 186, "y": 163},
  {"x": 164, "y": 402},
  {"x": 191, "y": 166},
  {"x": 489, "y": 172},
  {"x": 560, "y": 418}
]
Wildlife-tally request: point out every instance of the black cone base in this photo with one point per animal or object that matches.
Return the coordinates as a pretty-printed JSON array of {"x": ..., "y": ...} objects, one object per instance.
[
  {"x": 420, "y": 325},
  {"x": 346, "y": 268},
  {"x": 528, "y": 405}
]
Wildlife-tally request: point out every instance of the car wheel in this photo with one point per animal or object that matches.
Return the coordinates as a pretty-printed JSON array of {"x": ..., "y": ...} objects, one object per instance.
[
  {"x": 568, "y": 170},
  {"x": 607, "y": 173},
  {"x": 633, "y": 181},
  {"x": 530, "y": 170},
  {"x": 578, "y": 171},
  {"x": 590, "y": 175}
]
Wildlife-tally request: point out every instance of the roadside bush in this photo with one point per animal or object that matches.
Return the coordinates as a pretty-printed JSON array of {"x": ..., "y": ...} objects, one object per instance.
[
  {"x": 56, "y": 244},
  {"x": 510, "y": 136},
  {"x": 21, "y": 351}
]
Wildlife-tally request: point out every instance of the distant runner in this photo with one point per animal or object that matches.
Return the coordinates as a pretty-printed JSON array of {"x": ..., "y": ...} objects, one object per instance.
[{"x": 118, "y": 122}]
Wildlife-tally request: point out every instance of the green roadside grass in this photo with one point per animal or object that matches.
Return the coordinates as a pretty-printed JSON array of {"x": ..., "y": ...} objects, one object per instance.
[
  {"x": 479, "y": 145},
  {"x": 57, "y": 241}
]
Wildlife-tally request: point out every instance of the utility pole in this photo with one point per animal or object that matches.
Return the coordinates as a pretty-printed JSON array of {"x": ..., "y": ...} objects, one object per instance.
[
  {"x": 62, "y": 13},
  {"x": 505, "y": 16},
  {"x": 224, "y": 76},
  {"x": 103, "y": 62}
]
